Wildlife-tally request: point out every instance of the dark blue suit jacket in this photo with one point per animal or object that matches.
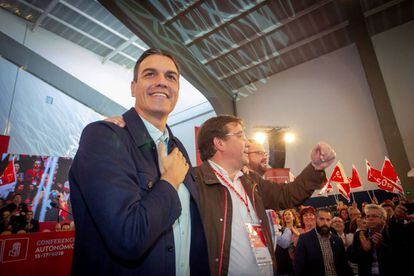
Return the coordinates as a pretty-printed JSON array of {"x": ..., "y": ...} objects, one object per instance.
[
  {"x": 123, "y": 212},
  {"x": 309, "y": 258}
]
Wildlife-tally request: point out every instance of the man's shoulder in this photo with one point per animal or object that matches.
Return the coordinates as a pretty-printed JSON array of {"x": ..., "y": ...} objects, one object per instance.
[
  {"x": 336, "y": 238},
  {"x": 102, "y": 129},
  {"x": 99, "y": 125},
  {"x": 199, "y": 171}
]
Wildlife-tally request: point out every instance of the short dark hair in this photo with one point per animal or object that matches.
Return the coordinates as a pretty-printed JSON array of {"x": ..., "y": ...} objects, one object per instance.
[
  {"x": 323, "y": 209},
  {"x": 151, "y": 52},
  {"x": 213, "y": 127}
]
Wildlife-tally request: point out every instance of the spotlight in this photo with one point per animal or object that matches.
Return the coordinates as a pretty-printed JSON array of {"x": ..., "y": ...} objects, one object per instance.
[
  {"x": 260, "y": 137},
  {"x": 289, "y": 137}
]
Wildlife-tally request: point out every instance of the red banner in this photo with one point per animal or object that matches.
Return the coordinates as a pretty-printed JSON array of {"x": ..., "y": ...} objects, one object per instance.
[
  {"x": 278, "y": 175},
  {"x": 4, "y": 143},
  {"x": 48, "y": 253}
]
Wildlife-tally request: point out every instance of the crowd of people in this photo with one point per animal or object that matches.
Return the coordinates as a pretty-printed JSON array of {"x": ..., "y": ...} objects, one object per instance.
[
  {"x": 141, "y": 208},
  {"x": 18, "y": 218},
  {"x": 206, "y": 220},
  {"x": 17, "y": 212},
  {"x": 372, "y": 240}
]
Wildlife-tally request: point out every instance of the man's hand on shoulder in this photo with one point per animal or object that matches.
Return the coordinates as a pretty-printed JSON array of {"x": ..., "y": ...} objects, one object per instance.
[
  {"x": 322, "y": 156},
  {"x": 117, "y": 120}
]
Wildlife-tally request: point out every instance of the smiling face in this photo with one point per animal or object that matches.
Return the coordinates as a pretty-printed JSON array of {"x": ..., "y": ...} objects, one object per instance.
[
  {"x": 309, "y": 220},
  {"x": 288, "y": 216},
  {"x": 354, "y": 213},
  {"x": 257, "y": 157},
  {"x": 156, "y": 87},
  {"x": 375, "y": 218},
  {"x": 235, "y": 145},
  {"x": 338, "y": 224}
]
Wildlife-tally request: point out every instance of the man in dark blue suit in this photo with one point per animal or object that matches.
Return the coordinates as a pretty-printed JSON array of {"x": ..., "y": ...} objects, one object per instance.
[
  {"x": 135, "y": 206},
  {"x": 319, "y": 252}
]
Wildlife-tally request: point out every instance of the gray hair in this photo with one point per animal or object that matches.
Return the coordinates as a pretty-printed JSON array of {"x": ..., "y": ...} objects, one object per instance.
[{"x": 376, "y": 207}]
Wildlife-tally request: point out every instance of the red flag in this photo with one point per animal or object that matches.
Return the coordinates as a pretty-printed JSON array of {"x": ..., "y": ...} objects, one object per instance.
[
  {"x": 8, "y": 176},
  {"x": 338, "y": 174},
  {"x": 344, "y": 189},
  {"x": 375, "y": 176},
  {"x": 389, "y": 173},
  {"x": 8, "y": 179},
  {"x": 355, "y": 180},
  {"x": 326, "y": 189}
]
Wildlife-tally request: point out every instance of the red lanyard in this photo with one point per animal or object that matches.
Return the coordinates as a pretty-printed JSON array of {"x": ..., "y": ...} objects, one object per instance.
[{"x": 244, "y": 200}]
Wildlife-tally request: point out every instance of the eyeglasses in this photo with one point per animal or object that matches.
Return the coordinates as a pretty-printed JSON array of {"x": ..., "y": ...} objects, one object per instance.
[
  {"x": 258, "y": 152},
  {"x": 239, "y": 134}
]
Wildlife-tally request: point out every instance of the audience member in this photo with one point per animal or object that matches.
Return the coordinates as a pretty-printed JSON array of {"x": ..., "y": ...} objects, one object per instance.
[
  {"x": 371, "y": 249},
  {"x": 285, "y": 246},
  {"x": 319, "y": 252},
  {"x": 353, "y": 213},
  {"x": 258, "y": 158},
  {"x": 343, "y": 213},
  {"x": 32, "y": 225},
  {"x": 389, "y": 207},
  {"x": 338, "y": 228},
  {"x": 307, "y": 217},
  {"x": 5, "y": 221},
  {"x": 65, "y": 227}
]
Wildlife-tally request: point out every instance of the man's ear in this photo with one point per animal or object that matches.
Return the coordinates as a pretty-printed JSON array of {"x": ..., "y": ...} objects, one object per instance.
[
  {"x": 133, "y": 85},
  {"x": 218, "y": 144}
]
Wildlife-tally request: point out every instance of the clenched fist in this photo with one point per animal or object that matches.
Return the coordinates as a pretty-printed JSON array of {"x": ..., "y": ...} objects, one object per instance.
[
  {"x": 322, "y": 156},
  {"x": 173, "y": 167}
]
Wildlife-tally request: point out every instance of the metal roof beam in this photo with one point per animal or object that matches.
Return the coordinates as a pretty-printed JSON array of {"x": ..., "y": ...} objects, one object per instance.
[
  {"x": 266, "y": 31},
  {"x": 94, "y": 20},
  {"x": 119, "y": 49},
  {"x": 184, "y": 11},
  {"x": 382, "y": 7},
  {"x": 75, "y": 29},
  {"x": 44, "y": 14},
  {"x": 246, "y": 10},
  {"x": 287, "y": 49}
]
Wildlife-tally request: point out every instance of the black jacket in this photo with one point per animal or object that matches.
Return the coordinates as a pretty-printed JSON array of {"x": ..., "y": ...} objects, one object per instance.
[
  {"x": 364, "y": 259},
  {"x": 309, "y": 258},
  {"x": 123, "y": 212}
]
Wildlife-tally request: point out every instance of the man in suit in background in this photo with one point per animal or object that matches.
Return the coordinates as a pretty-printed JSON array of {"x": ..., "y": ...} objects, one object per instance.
[{"x": 319, "y": 252}]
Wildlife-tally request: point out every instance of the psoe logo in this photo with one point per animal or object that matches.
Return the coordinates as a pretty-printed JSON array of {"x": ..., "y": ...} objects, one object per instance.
[{"x": 14, "y": 250}]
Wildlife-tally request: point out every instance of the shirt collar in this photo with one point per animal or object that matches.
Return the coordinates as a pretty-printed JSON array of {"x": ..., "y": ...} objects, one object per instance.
[
  {"x": 155, "y": 133},
  {"x": 223, "y": 172}
]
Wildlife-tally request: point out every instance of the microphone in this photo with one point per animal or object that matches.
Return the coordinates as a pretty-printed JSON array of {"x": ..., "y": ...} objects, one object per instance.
[{"x": 55, "y": 205}]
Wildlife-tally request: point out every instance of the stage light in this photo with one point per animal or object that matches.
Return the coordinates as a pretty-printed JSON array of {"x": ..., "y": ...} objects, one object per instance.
[
  {"x": 260, "y": 137},
  {"x": 289, "y": 137}
]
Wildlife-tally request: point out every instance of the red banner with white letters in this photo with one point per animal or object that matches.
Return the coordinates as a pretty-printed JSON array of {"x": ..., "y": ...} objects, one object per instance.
[{"x": 47, "y": 253}]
